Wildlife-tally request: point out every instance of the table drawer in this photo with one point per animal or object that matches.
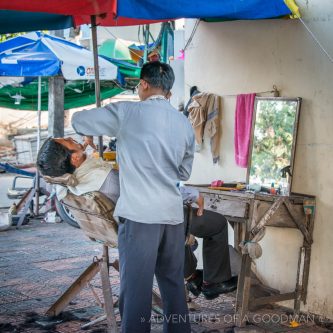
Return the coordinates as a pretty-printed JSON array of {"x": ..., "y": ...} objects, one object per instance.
[{"x": 228, "y": 207}]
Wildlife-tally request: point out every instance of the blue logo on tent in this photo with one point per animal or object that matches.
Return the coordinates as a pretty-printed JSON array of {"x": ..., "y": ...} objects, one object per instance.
[{"x": 81, "y": 71}]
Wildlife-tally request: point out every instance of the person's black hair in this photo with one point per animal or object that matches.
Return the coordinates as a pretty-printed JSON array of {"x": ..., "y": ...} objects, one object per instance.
[
  {"x": 158, "y": 75},
  {"x": 54, "y": 159}
]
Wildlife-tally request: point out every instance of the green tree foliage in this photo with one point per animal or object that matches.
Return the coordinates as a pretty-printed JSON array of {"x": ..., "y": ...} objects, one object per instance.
[
  {"x": 4, "y": 37},
  {"x": 273, "y": 138}
]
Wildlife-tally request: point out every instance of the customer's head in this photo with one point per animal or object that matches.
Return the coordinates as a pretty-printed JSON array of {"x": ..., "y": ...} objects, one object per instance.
[
  {"x": 156, "y": 78},
  {"x": 59, "y": 156}
]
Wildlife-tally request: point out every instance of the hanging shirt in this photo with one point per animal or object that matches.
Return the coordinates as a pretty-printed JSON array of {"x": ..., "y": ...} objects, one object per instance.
[
  {"x": 204, "y": 115},
  {"x": 155, "y": 148}
]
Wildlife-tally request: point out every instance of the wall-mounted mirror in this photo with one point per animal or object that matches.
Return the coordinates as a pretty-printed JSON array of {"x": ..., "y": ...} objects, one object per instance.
[{"x": 272, "y": 150}]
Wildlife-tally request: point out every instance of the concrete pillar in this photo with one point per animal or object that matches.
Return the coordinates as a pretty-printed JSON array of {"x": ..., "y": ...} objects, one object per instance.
[{"x": 56, "y": 107}]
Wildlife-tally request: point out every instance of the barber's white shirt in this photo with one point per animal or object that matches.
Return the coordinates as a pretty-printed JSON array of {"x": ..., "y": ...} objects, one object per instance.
[{"x": 155, "y": 150}]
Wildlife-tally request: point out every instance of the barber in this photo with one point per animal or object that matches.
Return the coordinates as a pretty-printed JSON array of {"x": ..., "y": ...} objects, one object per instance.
[{"x": 155, "y": 148}]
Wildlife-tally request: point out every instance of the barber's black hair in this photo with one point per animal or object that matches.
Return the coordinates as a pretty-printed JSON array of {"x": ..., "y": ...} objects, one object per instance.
[
  {"x": 54, "y": 159},
  {"x": 158, "y": 75}
]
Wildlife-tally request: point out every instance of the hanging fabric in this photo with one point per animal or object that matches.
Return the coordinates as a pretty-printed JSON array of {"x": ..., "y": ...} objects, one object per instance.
[
  {"x": 204, "y": 115},
  {"x": 193, "y": 91},
  {"x": 243, "y": 123}
]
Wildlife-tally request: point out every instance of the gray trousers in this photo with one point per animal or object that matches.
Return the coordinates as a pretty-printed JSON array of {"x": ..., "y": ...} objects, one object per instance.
[{"x": 145, "y": 250}]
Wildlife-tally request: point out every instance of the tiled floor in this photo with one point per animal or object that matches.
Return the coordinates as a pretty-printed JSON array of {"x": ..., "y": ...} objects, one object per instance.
[{"x": 39, "y": 261}]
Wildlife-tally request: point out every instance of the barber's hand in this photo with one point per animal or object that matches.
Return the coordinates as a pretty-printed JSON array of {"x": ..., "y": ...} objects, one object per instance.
[
  {"x": 88, "y": 141},
  {"x": 200, "y": 203}
]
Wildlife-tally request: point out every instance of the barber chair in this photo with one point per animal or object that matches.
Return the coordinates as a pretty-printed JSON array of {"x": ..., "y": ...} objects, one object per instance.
[{"x": 94, "y": 213}]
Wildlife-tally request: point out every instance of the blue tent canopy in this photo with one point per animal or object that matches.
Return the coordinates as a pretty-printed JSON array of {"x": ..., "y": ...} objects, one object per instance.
[
  {"x": 224, "y": 9},
  {"x": 17, "y": 21}
]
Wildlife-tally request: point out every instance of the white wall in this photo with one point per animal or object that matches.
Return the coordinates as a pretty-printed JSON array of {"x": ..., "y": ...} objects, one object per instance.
[
  {"x": 177, "y": 65},
  {"x": 128, "y": 33},
  {"x": 250, "y": 56}
]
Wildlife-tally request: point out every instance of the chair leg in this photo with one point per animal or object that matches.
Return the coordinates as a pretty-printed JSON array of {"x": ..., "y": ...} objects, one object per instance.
[
  {"x": 107, "y": 292},
  {"x": 73, "y": 290}
]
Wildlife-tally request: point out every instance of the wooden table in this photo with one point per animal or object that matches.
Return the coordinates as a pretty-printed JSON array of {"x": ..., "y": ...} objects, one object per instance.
[{"x": 249, "y": 214}]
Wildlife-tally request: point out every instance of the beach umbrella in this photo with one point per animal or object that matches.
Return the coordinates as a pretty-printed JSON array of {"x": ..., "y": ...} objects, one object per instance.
[{"x": 38, "y": 54}]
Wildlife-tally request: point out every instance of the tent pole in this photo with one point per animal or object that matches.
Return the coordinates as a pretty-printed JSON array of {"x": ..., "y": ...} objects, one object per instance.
[
  {"x": 39, "y": 107},
  {"x": 146, "y": 36},
  {"x": 97, "y": 81}
]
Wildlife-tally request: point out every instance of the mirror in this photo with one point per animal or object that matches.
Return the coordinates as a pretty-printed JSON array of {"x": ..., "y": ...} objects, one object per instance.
[{"x": 272, "y": 150}]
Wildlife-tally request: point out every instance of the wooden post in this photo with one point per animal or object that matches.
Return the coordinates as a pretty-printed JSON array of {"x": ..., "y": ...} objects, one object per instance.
[
  {"x": 243, "y": 290},
  {"x": 307, "y": 258},
  {"x": 146, "y": 37},
  {"x": 97, "y": 80},
  {"x": 56, "y": 107},
  {"x": 302, "y": 286},
  {"x": 244, "y": 278},
  {"x": 107, "y": 292},
  {"x": 299, "y": 280}
]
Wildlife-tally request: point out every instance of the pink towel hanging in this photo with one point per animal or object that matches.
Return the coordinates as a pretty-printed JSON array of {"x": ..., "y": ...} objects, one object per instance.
[{"x": 243, "y": 122}]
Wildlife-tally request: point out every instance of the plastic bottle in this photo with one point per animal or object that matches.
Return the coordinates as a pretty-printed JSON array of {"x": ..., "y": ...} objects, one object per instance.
[{"x": 284, "y": 186}]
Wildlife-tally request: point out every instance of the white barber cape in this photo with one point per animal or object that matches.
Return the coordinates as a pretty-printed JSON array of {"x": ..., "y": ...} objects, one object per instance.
[{"x": 90, "y": 175}]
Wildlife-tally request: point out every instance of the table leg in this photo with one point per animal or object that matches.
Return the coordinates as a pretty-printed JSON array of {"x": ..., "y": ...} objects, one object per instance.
[{"x": 243, "y": 290}]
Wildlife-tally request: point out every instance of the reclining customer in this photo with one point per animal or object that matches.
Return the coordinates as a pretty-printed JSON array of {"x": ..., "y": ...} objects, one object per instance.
[
  {"x": 64, "y": 156},
  {"x": 61, "y": 156}
]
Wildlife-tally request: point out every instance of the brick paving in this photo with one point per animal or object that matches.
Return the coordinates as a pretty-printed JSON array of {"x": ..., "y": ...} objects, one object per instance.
[{"x": 39, "y": 261}]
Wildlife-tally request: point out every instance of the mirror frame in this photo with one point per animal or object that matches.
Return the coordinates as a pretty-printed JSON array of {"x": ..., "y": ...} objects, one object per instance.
[{"x": 293, "y": 148}]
